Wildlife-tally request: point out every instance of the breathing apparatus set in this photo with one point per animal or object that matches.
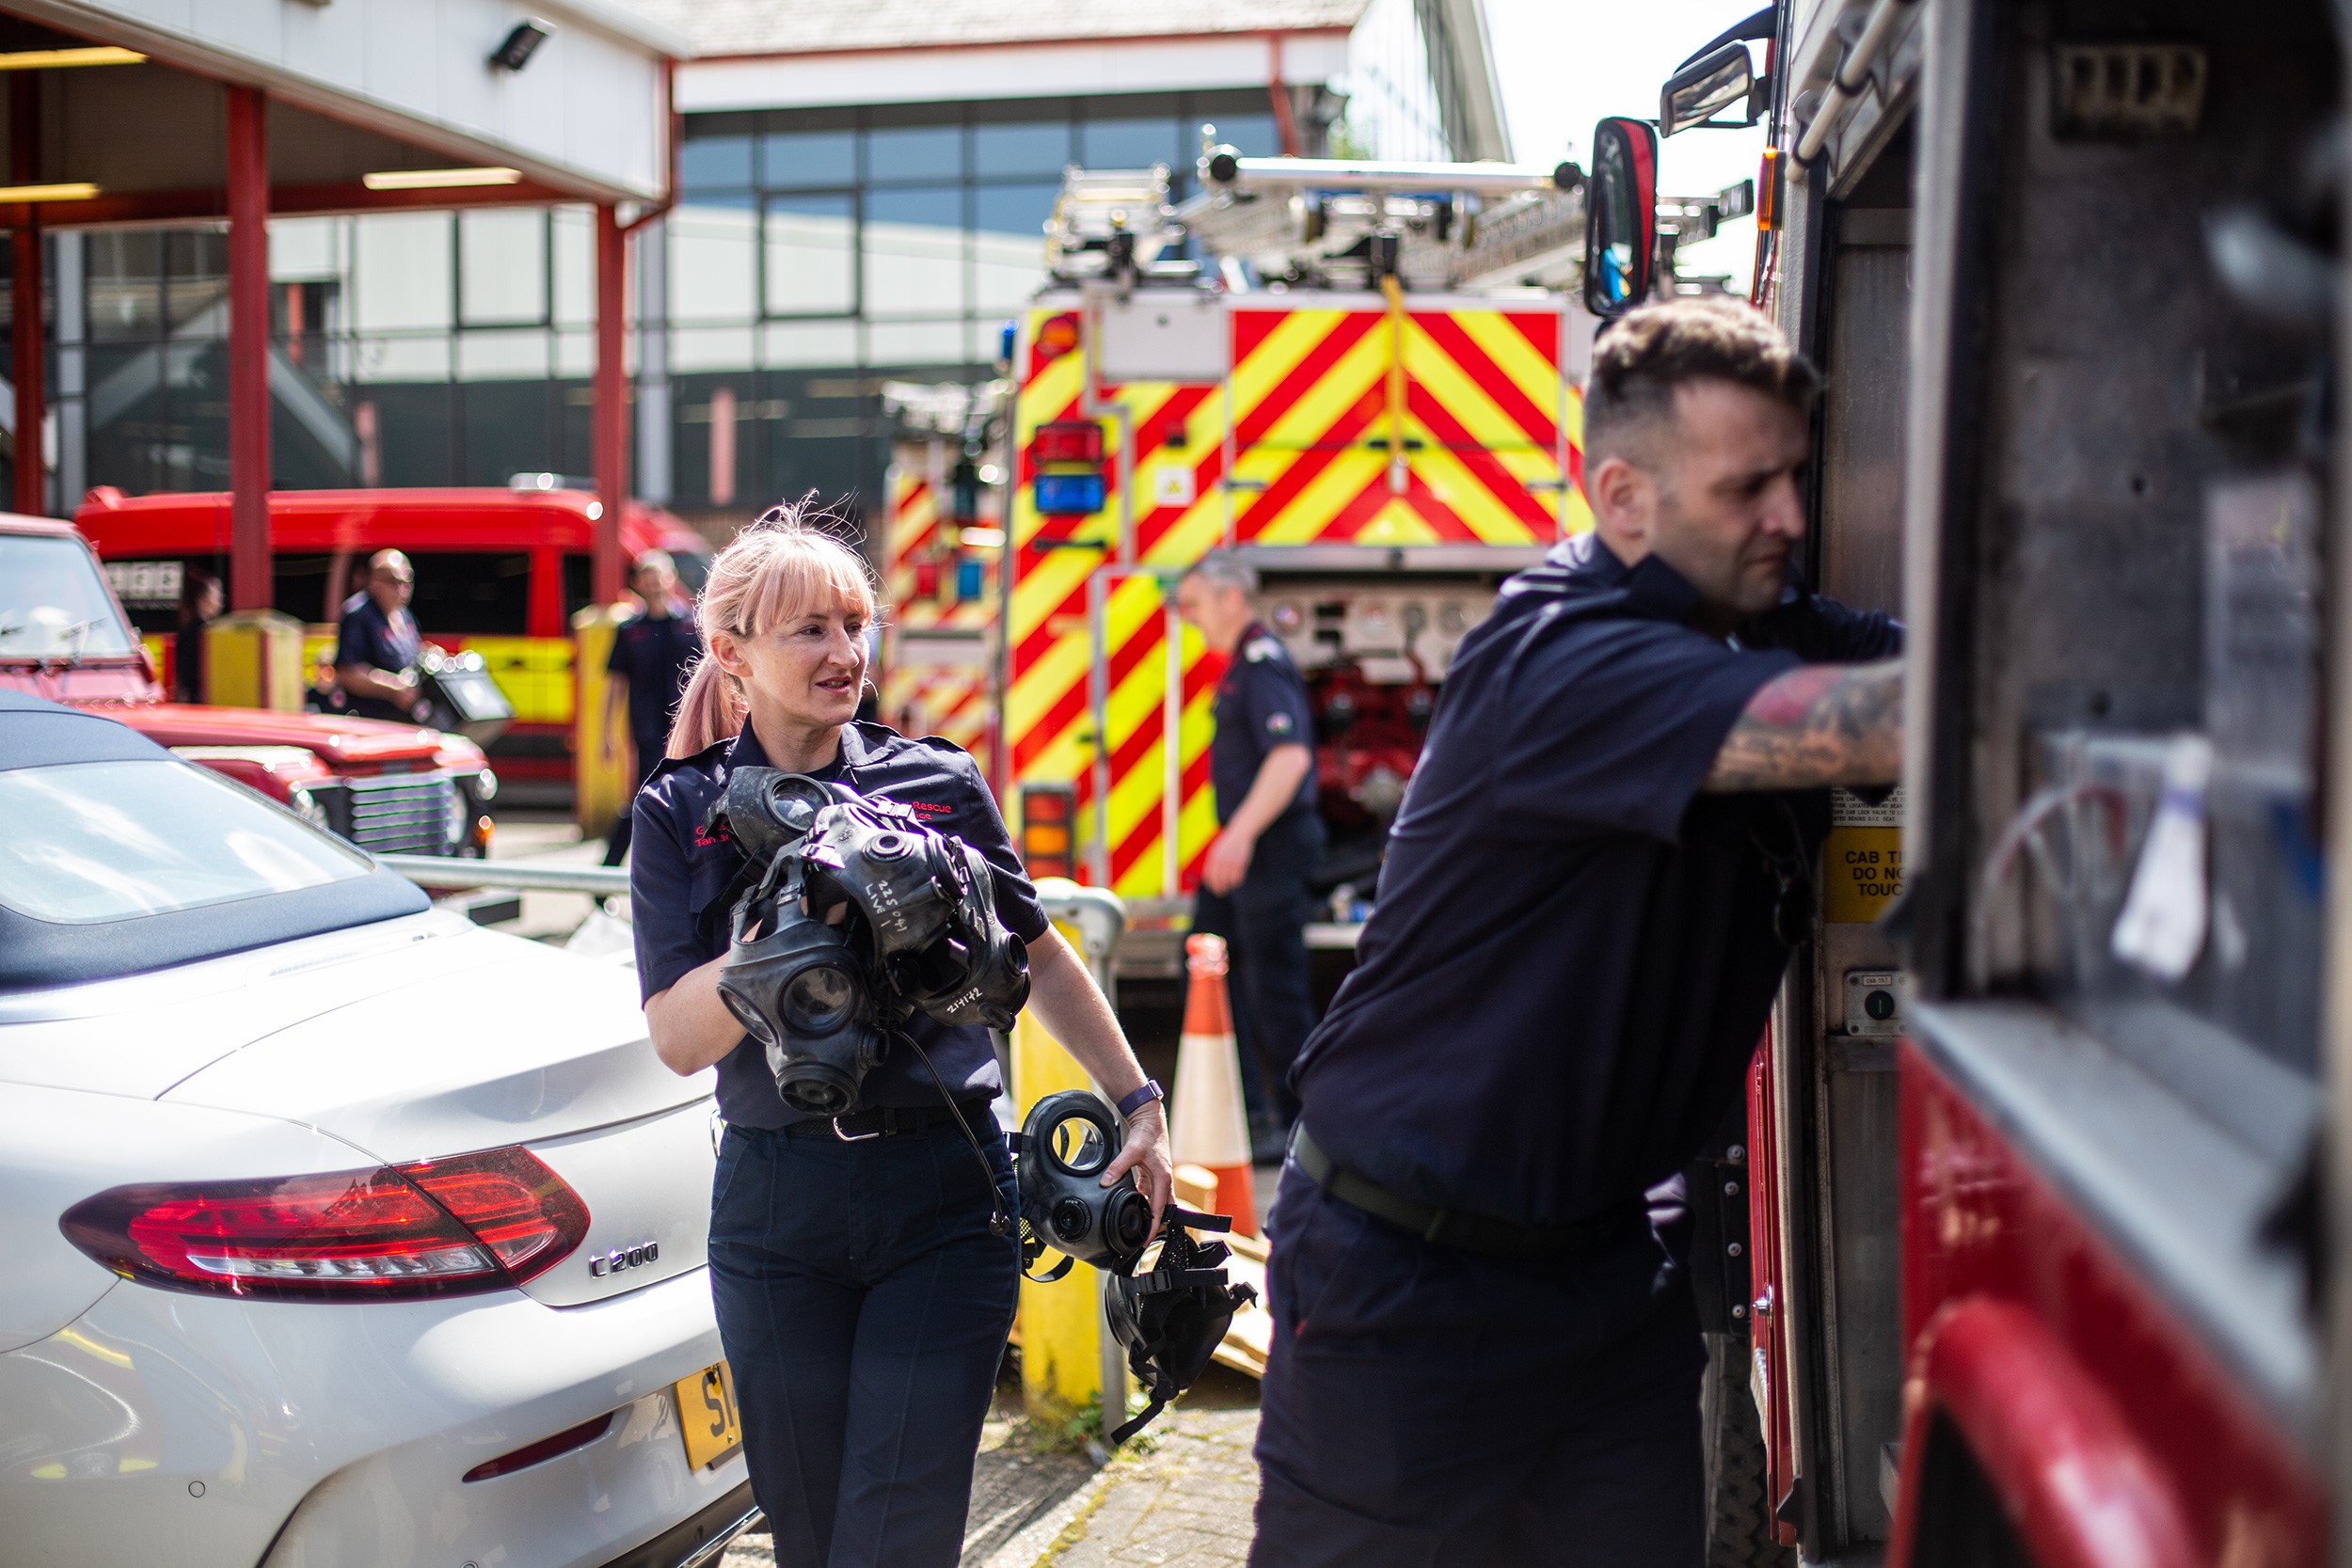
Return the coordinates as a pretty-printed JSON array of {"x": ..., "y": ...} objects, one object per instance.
[
  {"x": 857, "y": 917},
  {"x": 1168, "y": 1318}
]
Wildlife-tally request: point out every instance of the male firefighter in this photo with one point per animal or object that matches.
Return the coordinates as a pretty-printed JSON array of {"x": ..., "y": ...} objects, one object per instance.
[
  {"x": 1482, "y": 1351},
  {"x": 377, "y": 644},
  {"x": 652, "y": 655},
  {"x": 1253, "y": 884}
]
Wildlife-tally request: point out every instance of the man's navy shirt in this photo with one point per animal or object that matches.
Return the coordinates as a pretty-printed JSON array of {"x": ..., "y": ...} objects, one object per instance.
[
  {"x": 682, "y": 886},
  {"x": 655, "y": 653},
  {"x": 1572, "y": 955},
  {"x": 1261, "y": 703},
  {"x": 388, "y": 642}
]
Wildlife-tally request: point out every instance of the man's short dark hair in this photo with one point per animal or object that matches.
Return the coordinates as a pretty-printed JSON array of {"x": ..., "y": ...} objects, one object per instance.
[{"x": 1644, "y": 356}]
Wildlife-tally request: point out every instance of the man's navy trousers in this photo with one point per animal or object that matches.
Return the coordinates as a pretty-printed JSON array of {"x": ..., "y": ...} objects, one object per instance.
[{"x": 1429, "y": 1406}]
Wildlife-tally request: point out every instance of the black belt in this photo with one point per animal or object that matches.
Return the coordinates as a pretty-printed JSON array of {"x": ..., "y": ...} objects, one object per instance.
[
  {"x": 887, "y": 1121},
  {"x": 1451, "y": 1227}
]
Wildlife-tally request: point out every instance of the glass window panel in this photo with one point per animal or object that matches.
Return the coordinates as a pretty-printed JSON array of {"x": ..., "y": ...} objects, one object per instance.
[
  {"x": 808, "y": 158},
  {"x": 1127, "y": 143},
  {"x": 711, "y": 348},
  {"x": 915, "y": 152},
  {"x": 575, "y": 356},
  {"x": 402, "y": 272},
  {"x": 112, "y": 840},
  {"x": 1043, "y": 148},
  {"x": 706, "y": 161},
  {"x": 811, "y": 243},
  {"x": 933, "y": 343},
  {"x": 503, "y": 265},
  {"x": 913, "y": 243},
  {"x": 423, "y": 358},
  {"x": 1254, "y": 135},
  {"x": 305, "y": 248},
  {"x": 502, "y": 356},
  {"x": 712, "y": 264},
  {"x": 126, "y": 298},
  {"x": 811, "y": 346},
  {"x": 575, "y": 246},
  {"x": 1015, "y": 209},
  {"x": 1006, "y": 271}
]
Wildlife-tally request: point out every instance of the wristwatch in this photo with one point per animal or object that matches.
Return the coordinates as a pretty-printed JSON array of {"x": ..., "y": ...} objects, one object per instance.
[{"x": 1140, "y": 1097}]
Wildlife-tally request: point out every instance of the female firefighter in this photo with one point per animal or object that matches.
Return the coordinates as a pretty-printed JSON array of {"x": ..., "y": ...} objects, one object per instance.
[{"x": 864, "y": 1297}]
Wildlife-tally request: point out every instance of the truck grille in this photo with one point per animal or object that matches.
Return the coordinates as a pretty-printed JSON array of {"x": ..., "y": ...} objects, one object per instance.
[{"x": 404, "y": 814}]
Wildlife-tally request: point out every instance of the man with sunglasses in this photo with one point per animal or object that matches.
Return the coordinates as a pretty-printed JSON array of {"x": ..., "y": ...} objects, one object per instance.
[{"x": 1483, "y": 1353}]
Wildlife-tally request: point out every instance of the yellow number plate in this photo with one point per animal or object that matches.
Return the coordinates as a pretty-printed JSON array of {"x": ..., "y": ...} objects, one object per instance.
[{"x": 706, "y": 1413}]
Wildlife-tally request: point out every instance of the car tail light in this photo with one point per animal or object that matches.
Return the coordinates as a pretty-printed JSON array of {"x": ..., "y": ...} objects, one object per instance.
[{"x": 477, "y": 1222}]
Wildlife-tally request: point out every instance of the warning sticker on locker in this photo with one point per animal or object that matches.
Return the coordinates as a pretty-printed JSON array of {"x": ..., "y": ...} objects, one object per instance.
[{"x": 1862, "y": 861}]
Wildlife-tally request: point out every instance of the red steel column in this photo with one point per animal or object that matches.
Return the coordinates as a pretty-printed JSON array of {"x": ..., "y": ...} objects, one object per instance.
[
  {"x": 248, "y": 350},
  {"x": 610, "y": 431},
  {"x": 25, "y": 348}
]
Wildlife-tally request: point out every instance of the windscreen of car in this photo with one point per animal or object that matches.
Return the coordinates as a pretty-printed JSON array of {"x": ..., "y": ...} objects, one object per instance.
[
  {"x": 54, "y": 604},
  {"x": 96, "y": 841}
]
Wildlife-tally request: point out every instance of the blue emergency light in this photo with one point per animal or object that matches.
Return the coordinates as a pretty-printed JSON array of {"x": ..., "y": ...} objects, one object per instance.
[{"x": 1068, "y": 495}]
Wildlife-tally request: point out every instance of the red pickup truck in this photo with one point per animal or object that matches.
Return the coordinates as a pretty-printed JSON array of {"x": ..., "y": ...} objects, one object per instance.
[{"x": 389, "y": 789}]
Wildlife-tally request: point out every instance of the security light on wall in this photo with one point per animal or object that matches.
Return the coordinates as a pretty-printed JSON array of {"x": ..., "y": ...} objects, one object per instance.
[{"x": 520, "y": 45}]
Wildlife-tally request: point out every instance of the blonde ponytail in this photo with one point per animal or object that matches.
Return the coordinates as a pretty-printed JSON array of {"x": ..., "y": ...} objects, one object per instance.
[{"x": 771, "y": 571}]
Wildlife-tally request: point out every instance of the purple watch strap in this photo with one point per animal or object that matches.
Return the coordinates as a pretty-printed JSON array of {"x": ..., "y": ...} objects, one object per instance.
[{"x": 1140, "y": 1097}]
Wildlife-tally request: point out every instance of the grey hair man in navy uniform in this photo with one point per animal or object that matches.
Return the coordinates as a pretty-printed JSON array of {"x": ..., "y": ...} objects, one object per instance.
[
  {"x": 1253, "y": 883},
  {"x": 1482, "y": 1351}
]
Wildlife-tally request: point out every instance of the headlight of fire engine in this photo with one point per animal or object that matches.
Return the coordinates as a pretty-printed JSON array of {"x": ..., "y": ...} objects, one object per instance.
[{"x": 486, "y": 787}]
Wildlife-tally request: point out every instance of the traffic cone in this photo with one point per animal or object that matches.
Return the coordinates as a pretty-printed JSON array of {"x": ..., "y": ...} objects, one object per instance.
[{"x": 1207, "y": 1124}]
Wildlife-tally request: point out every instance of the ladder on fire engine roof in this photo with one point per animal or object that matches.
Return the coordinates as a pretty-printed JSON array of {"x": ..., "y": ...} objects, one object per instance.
[{"x": 1323, "y": 223}]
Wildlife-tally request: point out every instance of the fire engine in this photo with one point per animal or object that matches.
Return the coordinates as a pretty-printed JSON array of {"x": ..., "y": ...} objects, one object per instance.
[
  {"x": 1361, "y": 375},
  {"x": 2017, "y": 1257}
]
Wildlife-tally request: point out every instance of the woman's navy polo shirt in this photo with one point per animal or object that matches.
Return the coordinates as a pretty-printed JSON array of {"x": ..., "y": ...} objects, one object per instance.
[{"x": 681, "y": 872}]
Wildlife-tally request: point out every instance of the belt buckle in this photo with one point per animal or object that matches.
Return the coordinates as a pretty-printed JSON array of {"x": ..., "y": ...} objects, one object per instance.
[{"x": 854, "y": 1137}]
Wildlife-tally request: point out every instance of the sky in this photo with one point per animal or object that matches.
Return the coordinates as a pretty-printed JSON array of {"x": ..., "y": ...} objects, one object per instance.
[{"x": 1564, "y": 64}]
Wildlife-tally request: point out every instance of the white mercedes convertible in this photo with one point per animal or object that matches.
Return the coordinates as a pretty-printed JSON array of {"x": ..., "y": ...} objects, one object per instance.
[{"x": 337, "y": 1231}]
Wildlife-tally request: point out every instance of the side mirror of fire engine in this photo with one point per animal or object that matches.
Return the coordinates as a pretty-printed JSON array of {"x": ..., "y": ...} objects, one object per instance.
[
  {"x": 1620, "y": 216},
  {"x": 1718, "y": 79}
]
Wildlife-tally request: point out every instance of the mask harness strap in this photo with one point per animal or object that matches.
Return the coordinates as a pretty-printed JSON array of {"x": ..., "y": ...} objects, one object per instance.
[{"x": 999, "y": 1223}]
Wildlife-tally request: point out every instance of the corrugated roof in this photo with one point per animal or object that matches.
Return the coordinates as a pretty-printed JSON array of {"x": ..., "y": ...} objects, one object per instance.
[{"x": 720, "y": 28}]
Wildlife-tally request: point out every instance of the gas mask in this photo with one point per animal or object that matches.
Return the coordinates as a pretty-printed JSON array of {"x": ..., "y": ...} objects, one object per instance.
[
  {"x": 1065, "y": 1145},
  {"x": 799, "y": 988},
  {"x": 930, "y": 901},
  {"x": 920, "y": 934},
  {"x": 1171, "y": 1318}
]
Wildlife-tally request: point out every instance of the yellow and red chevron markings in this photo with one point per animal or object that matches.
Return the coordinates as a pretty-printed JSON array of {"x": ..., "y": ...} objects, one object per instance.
[
  {"x": 918, "y": 698},
  {"x": 1491, "y": 438}
]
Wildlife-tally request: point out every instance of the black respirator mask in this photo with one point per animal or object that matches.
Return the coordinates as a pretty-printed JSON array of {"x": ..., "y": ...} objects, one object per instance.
[
  {"x": 929, "y": 903},
  {"x": 1171, "y": 1318},
  {"x": 1064, "y": 1147},
  {"x": 800, "y": 989},
  {"x": 921, "y": 933}
]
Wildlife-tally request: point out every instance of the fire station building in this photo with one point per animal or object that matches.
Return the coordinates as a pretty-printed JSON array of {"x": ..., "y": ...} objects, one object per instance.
[{"x": 863, "y": 189}]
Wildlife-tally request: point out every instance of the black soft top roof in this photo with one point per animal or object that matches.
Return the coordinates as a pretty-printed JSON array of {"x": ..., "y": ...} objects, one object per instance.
[{"x": 38, "y": 953}]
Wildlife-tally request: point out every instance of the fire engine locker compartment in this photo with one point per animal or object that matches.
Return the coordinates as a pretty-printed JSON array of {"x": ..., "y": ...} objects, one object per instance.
[{"x": 2119, "y": 466}]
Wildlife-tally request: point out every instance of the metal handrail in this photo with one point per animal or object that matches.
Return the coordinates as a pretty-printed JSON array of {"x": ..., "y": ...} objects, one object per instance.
[
  {"x": 439, "y": 871},
  {"x": 1099, "y": 914}
]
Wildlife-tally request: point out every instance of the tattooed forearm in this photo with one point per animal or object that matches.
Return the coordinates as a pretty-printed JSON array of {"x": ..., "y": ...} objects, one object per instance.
[{"x": 1817, "y": 724}]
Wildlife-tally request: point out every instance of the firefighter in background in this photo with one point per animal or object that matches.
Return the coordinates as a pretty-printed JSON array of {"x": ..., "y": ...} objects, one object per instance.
[
  {"x": 652, "y": 656},
  {"x": 377, "y": 644},
  {"x": 1253, "y": 884}
]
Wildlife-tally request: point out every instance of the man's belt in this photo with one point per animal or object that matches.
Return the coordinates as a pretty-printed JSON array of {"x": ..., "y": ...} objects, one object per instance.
[{"x": 1451, "y": 1227}]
